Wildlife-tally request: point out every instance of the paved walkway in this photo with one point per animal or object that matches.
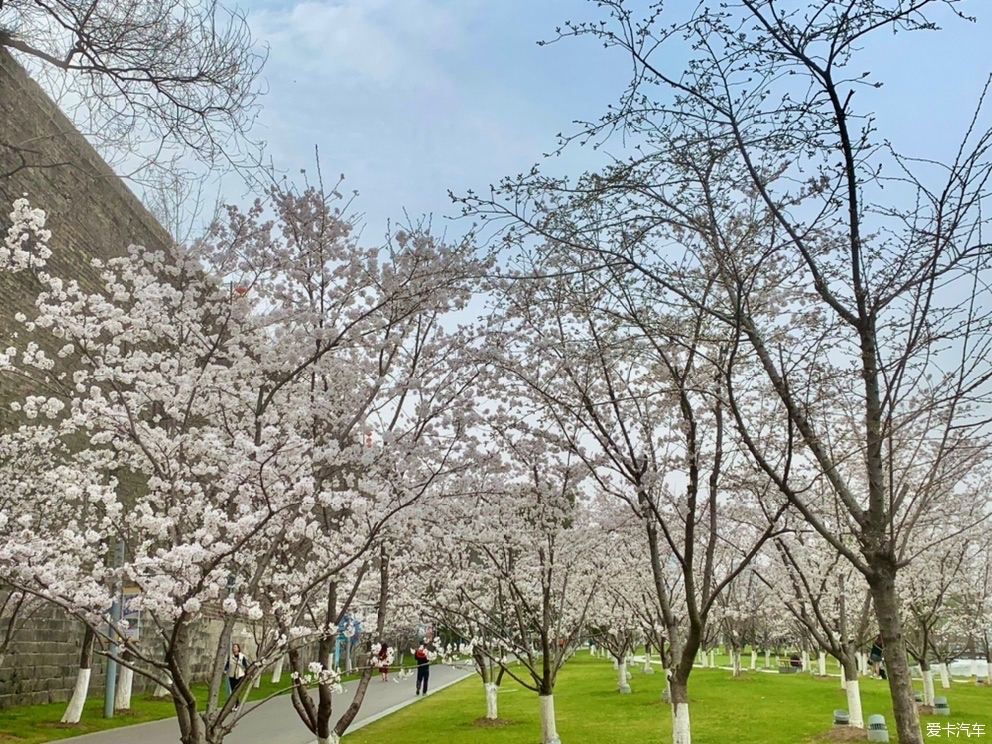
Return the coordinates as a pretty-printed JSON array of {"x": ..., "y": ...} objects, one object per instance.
[{"x": 276, "y": 721}]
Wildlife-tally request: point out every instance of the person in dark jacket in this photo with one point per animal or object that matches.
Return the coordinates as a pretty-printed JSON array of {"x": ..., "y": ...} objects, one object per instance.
[
  {"x": 423, "y": 657},
  {"x": 876, "y": 656}
]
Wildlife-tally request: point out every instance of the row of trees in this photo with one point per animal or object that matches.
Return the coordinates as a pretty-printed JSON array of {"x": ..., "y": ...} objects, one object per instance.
[
  {"x": 280, "y": 426},
  {"x": 810, "y": 304}
]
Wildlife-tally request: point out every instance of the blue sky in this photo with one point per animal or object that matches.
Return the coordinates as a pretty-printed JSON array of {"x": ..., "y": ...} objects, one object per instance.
[{"x": 410, "y": 98}]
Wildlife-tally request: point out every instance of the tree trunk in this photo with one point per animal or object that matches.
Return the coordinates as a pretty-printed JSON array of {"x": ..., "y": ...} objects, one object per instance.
[
  {"x": 849, "y": 673},
  {"x": 822, "y": 664},
  {"x": 713, "y": 659},
  {"x": 549, "y": 732},
  {"x": 681, "y": 733},
  {"x": 928, "y": 693},
  {"x": 805, "y": 661},
  {"x": 735, "y": 660},
  {"x": 125, "y": 681},
  {"x": 277, "y": 672},
  {"x": 74, "y": 710},
  {"x": 883, "y": 592},
  {"x": 767, "y": 655},
  {"x": 754, "y": 660},
  {"x": 945, "y": 677},
  {"x": 193, "y": 727},
  {"x": 622, "y": 687},
  {"x": 492, "y": 707},
  {"x": 161, "y": 691}
]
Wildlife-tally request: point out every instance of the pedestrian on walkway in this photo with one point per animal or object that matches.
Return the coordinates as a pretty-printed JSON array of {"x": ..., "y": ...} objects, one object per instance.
[
  {"x": 236, "y": 668},
  {"x": 384, "y": 658},
  {"x": 423, "y": 657}
]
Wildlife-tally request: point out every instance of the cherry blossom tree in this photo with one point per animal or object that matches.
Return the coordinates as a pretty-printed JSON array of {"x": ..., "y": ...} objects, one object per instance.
[
  {"x": 400, "y": 387},
  {"x": 827, "y": 599},
  {"x": 755, "y": 163},
  {"x": 202, "y": 393},
  {"x": 613, "y": 624},
  {"x": 637, "y": 396},
  {"x": 937, "y": 624},
  {"x": 527, "y": 570}
]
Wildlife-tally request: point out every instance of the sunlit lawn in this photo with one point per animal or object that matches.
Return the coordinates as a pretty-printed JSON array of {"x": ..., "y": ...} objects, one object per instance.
[{"x": 760, "y": 708}]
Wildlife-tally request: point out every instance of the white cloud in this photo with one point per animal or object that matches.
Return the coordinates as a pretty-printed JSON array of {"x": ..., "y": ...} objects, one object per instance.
[{"x": 387, "y": 43}]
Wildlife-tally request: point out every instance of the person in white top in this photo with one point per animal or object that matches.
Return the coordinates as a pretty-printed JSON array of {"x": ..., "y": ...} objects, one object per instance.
[{"x": 237, "y": 667}]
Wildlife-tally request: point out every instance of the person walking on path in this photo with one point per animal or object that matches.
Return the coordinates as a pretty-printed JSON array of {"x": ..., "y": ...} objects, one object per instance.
[
  {"x": 423, "y": 657},
  {"x": 236, "y": 668},
  {"x": 384, "y": 659}
]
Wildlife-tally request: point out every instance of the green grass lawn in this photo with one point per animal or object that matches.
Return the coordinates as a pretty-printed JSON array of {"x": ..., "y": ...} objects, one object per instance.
[
  {"x": 758, "y": 708},
  {"x": 31, "y": 724}
]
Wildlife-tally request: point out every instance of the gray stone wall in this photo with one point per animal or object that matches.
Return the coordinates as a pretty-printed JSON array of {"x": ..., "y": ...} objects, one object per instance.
[
  {"x": 92, "y": 214},
  {"x": 41, "y": 666}
]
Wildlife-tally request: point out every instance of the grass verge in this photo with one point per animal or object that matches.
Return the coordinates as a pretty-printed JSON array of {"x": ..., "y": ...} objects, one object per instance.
[{"x": 758, "y": 708}]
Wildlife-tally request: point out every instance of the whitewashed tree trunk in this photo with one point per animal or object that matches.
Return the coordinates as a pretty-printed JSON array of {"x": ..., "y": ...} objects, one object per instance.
[
  {"x": 680, "y": 724},
  {"x": 616, "y": 663},
  {"x": 754, "y": 660},
  {"x": 854, "y": 704},
  {"x": 277, "y": 672},
  {"x": 974, "y": 669},
  {"x": 622, "y": 687},
  {"x": 161, "y": 691},
  {"x": 805, "y": 661},
  {"x": 549, "y": 732},
  {"x": 330, "y": 739},
  {"x": 705, "y": 659},
  {"x": 713, "y": 659},
  {"x": 647, "y": 668},
  {"x": 125, "y": 681},
  {"x": 492, "y": 706},
  {"x": 767, "y": 657},
  {"x": 735, "y": 661},
  {"x": 945, "y": 677},
  {"x": 843, "y": 679},
  {"x": 74, "y": 711},
  {"x": 928, "y": 693},
  {"x": 822, "y": 664}
]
